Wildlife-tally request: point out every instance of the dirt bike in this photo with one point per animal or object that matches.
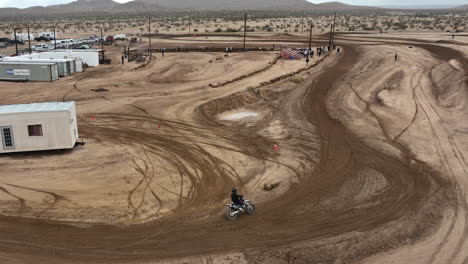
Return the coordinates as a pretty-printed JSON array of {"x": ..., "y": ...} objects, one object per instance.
[{"x": 235, "y": 210}]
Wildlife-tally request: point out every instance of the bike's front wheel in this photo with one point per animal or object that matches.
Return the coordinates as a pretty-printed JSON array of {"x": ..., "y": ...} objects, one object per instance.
[{"x": 251, "y": 209}]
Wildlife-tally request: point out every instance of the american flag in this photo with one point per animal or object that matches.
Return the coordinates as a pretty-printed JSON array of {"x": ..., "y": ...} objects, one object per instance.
[{"x": 289, "y": 53}]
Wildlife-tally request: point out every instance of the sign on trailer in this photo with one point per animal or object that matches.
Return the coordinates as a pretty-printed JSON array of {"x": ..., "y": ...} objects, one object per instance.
[{"x": 18, "y": 72}]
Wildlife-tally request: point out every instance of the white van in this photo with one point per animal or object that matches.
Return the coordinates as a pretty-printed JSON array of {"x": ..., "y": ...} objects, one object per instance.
[
  {"x": 61, "y": 43},
  {"x": 120, "y": 37}
]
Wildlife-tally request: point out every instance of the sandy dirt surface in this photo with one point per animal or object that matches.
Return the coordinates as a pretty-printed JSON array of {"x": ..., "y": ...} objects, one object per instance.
[{"x": 371, "y": 165}]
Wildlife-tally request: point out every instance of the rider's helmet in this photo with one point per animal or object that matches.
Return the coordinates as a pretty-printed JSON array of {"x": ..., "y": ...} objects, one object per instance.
[{"x": 234, "y": 190}]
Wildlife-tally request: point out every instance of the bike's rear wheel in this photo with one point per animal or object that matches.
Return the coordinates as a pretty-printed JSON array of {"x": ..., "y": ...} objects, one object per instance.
[{"x": 231, "y": 215}]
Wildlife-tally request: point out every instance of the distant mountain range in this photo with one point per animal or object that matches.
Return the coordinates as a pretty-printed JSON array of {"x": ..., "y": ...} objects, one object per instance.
[
  {"x": 110, "y": 6},
  {"x": 81, "y": 6},
  {"x": 447, "y": 6},
  {"x": 250, "y": 4}
]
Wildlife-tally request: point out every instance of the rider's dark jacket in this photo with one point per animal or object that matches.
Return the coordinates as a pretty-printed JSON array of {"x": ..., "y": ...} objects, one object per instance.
[{"x": 236, "y": 198}]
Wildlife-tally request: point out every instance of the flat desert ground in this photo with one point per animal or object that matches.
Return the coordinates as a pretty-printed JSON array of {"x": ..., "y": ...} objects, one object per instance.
[{"x": 371, "y": 165}]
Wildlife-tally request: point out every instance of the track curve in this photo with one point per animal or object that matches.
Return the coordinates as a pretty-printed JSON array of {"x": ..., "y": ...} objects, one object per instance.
[{"x": 408, "y": 193}]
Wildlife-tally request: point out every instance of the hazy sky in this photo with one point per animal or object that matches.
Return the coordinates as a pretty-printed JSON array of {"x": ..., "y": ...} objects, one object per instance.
[{"x": 27, "y": 3}]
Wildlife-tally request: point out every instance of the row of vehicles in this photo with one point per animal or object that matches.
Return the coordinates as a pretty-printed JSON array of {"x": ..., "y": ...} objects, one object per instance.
[
  {"x": 23, "y": 37},
  {"x": 64, "y": 44},
  {"x": 52, "y": 43}
]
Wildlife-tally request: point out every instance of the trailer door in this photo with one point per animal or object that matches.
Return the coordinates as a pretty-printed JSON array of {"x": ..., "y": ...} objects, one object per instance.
[{"x": 6, "y": 132}]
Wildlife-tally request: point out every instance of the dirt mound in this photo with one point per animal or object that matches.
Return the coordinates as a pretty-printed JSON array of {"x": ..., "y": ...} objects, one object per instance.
[
  {"x": 389, "y": 94},
  {"x": 450, "y": 85},
  {"x": 210, "y": 109}
]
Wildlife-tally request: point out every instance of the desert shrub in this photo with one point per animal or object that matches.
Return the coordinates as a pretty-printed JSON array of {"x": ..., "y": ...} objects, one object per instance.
[
  {"x": 269, "y": 187},
  {"x": 297, "y": 79},
  {"x": 253, "y": 90},
  {"x": 218, "y": 30},
  {"x": 250, "y": 89}
]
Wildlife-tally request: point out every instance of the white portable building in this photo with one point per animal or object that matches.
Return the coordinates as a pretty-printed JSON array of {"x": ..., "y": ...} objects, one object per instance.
[
  {"x": 90, "y": 57},
  {"x": 27, "y": 71},
  {"x": 39, "y": 126},
  {"x": 65, "y": 66}
]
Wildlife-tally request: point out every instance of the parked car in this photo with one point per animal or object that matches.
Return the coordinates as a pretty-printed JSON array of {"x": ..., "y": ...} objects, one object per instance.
[
  {"x": 18, "y": 41},
  {"x": 84, "y": 47},
  {"x": 41, "y": 47},
  {"x": 42, "y": 38}
]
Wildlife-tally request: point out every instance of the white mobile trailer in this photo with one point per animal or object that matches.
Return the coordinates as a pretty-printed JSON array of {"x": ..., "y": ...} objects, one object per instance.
[
  {"x": 90, "y": 57},
  {"x": 26, "y": 71},
  {"x": 40, "y": 126},
  {"x": 65, "y": 66},
  {"x": 78, "y": 63}
]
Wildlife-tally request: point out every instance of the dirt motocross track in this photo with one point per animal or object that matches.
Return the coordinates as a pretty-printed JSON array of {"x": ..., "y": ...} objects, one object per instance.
[{"x": 355, "y": 185}]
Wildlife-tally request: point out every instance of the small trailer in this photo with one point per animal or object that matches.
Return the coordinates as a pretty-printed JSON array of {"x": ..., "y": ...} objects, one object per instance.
[
  {"x": 39, "y": 126},
  {"x": 26, "y": 71}
]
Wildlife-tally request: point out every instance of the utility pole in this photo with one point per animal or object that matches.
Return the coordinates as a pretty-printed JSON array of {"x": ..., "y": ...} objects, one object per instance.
[
  {"x": 310, "y": 36},
  {"x": 149, "y": 29},
  {"x": 245, "y": 31},
  {"x": 55, "y": 38},
  {"x": 29, "y": 40},
  {"x": 333, "y": 30},
  {"x": 190, "y": 23},
  {"x": 330, "y": 37},
  {"x": 310, "y": 42},
  {"x": 333, "y": 35},
  {"x": 102, "y": 45},
  {"x": 303, "y": 14},
  {"x": 16, "y": 42}
]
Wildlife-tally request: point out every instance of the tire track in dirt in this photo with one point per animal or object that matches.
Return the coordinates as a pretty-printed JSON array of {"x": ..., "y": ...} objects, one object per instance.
[
  {"x": 461, "y": 202},
  {"x": 429, "y": 111},
  {"x": 20, "y": 200},
  {"x": 57, "y": 197},
  {"x": 458, "y": 202},
  {"x": 364, "y": 224}
]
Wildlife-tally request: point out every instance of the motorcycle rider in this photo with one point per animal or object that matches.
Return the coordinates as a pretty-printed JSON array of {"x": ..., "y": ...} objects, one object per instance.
[{"x": 237, "y": 199}]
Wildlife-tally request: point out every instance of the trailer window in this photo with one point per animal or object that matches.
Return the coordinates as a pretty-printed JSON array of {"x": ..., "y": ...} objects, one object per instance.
[{"x": 35, "y": 130}]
